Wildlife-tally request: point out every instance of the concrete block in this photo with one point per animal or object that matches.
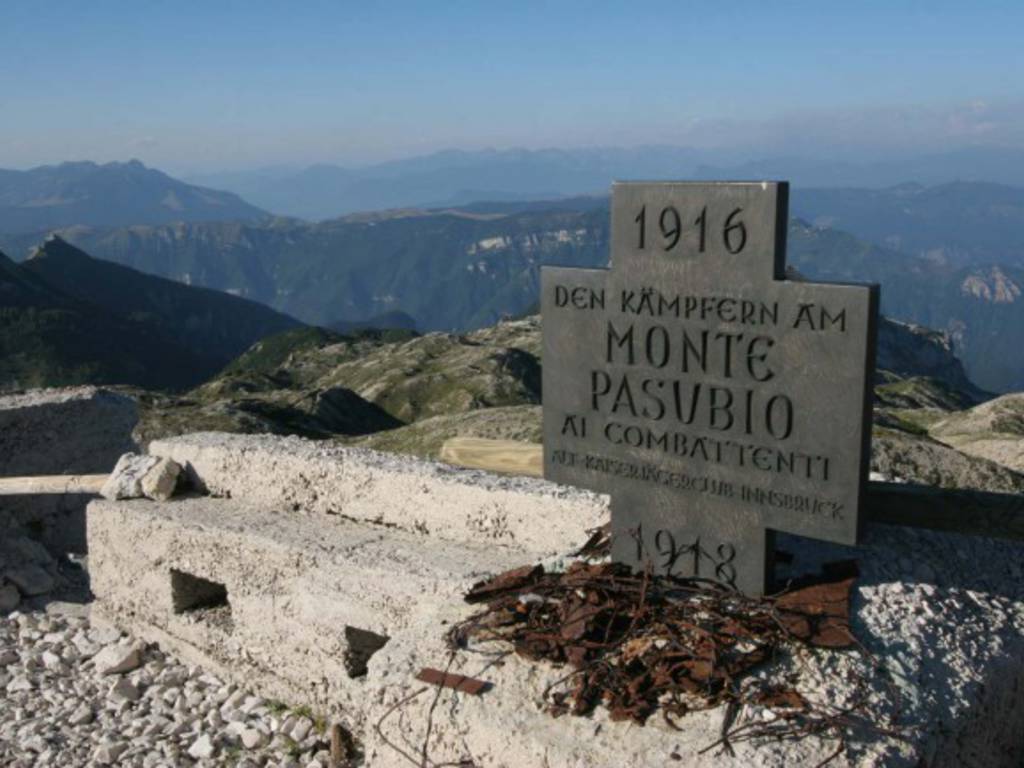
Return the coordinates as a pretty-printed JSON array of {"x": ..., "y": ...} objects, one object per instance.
[
  {"x": 952, "y": 645},
  {"x": 73, "y": 430},
  {"x": 329, "y": 576},
  {"x": 64, "y": 431},
  {"x": 449, "y": 503},
  {"x": 293, "y": 605}
]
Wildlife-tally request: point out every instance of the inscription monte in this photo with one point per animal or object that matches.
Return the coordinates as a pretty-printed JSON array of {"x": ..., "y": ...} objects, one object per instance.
[{"x": 715, "y": 400}]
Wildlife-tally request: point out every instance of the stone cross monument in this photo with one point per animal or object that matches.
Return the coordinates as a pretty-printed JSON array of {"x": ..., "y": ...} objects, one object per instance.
[{"x": 716, "y": 401}]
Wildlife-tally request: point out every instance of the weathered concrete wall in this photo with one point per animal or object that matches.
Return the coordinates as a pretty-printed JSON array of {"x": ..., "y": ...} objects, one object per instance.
[
  {"x": 302, "y": 593},
  {"x": 310, "y": 593},
  {"x": 409, "y": 494},
  {"x": 73, "y": 430}
]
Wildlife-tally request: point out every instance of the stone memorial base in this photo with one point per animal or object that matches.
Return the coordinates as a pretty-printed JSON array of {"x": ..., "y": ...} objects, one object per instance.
[
  {"x": 330, "y": 576},
  {"x": 950, "y": 649},
  {"x": 292, "y": 606}
]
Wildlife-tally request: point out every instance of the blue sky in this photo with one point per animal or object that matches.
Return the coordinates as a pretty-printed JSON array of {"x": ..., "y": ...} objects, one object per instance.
[{"x": 195, "y": 86}]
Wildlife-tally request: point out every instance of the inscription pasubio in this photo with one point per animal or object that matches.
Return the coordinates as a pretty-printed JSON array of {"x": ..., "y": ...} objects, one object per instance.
[{"x": 710, "y": 396}]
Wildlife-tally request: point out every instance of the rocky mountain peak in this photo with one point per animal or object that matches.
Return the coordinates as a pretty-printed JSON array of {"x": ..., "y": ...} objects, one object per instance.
[
  {"x": 56, "y": 248},
  {"x": 991, "y": 284}
]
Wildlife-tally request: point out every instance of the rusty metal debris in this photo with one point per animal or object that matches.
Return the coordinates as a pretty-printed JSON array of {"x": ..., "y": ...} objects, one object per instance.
[
  {"x": 638, "y": 643},
  {"x": 599, "y": 542},
  {"x": 517, "y": 578},
  {"x": 459, "y": 683}
]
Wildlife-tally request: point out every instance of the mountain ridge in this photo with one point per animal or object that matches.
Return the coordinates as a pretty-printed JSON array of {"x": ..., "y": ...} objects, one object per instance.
[
  {"x": 66, "y": 318},
  {"x": 457, "y": 177},
  {"x": 112, "y": 194}
]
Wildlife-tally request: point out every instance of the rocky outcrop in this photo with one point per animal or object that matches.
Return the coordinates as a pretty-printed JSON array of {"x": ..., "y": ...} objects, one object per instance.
[
  {"x": 913, "y": 351},
  {"x": 425, "y": 438},
  {"x": 328, "y": 385},
  {"x": 992, "y": 431},
  {"x": 926, "y": 461}
]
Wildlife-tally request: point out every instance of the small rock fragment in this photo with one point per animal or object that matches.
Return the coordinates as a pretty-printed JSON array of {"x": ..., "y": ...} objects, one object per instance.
[
  {"x": 51, "y": 660},
  {"x": 107, "y": 754},
  {"x": 301, "y": 729},
  {"x": 30, "y": 579},
  {"x": 28, "y": 550},
  {"x": 104, "y": 635},
  {"x": 20, "y": 683},
  {"x": 125, "y": 482},
  {"x": 9, "y": 598},
  {"x": 202, "y": 748},
  {"x": 115, "y": 659},
  {"x": 123, "y": 690},
  {"x": 81, "y": 716},
  {"x": 253, "y": 739},
  {"x": 161, "y": 479}
]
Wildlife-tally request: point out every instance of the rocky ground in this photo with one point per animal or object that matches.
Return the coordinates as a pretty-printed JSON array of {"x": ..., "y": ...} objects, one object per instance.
[
  {"x": 993, "y": 430},
  {"x": 74, "y": 694}
]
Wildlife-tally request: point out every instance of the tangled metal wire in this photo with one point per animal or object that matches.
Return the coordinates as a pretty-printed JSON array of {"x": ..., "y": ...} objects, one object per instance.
[{"x": 638, "y": 643}]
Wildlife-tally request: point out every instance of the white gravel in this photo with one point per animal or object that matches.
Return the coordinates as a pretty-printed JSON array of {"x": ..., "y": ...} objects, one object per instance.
[{"x": 72, "y": 694}]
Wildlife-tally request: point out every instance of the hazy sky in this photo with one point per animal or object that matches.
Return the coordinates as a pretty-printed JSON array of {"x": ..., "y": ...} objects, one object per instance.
[{"x": 195, "y": 86}]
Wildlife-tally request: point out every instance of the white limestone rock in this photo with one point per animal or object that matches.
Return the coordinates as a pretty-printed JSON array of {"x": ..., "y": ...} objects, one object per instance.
[
  {"x": 104, "y": 634},
  {"x": 125, "y": 482},
  {"x": 116, "y": 659},
  {"x": 108, "y": 753},
  {"x": 301, "y": 729},
  {"x": 21, "y": 683},
  {"x": 253, "y": 739},
  {"x": 83, "y": 715},
  {"x": 124, "y": 690},
  {"x": 202, "y": 748},
  {"x": 161, "y": 480},
  {"x": 52, "y": 661}
]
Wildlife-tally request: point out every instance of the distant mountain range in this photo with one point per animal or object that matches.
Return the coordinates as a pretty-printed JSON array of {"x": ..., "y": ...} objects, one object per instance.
[
  {"x": 454, "y": 178},
  {"x": 448, "y": 270},
  {"x": 465, "y": 269},
  {"x": 948, "y": 256},
  {"x": 980, "y": 306},
  {"x": 114, "y": 194},
  {"x": 66, "y": 318},
  {"x": 451, "y": 178},
  {"x": 959, "y": 223}
]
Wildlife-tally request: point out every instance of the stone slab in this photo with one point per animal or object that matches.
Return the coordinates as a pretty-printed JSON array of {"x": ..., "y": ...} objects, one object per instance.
[
  {"x": 70, "y": 430},
  {"x": 530, "y": 515},
  {"x": 943, "y": 614},
  {"x": 304, "y": 590},
  {"x": 308, "y": 589},
  {"x": 64, "y": 431},
  {"x": 715, "y": 400}
]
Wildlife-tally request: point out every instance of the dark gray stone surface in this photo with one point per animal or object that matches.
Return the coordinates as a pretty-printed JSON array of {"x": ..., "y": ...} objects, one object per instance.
[{"x": 714, "y": 400}]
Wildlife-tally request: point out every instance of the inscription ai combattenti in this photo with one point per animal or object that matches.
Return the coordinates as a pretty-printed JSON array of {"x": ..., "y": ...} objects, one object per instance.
[{"x": 679, "y": 374}]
